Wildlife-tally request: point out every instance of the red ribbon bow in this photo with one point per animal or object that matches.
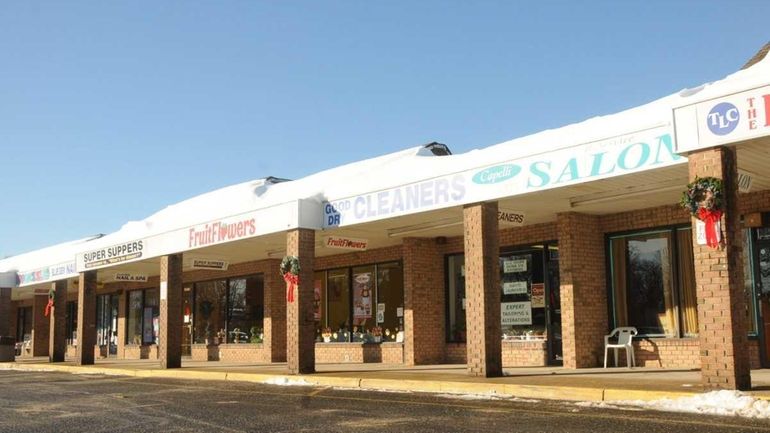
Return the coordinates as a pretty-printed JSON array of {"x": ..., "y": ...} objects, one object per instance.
[
  {"x": 291, "y": 282},
  {"x": 48, "y": 307},
  {"x": 711, "y": 218}
]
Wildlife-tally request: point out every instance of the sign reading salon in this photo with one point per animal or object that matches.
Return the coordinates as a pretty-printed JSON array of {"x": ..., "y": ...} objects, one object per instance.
[
  {"x": 730, "y": 119},
  {"x": 644, "y": 150}
]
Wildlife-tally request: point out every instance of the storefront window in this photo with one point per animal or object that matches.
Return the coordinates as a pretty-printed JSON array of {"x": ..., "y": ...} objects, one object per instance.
[
  {"x": 523, "y": 295},
  {"x": 107, "y": 322},
  {"x": 653, "y": 283},
  {"x": 338, "y": 298},
  {"x": 456, "y": 298},
  {"x": 748, "y": 282},
  {"x": 24, "y": 324},
  {"x": 142, "y": 325},
  {"x": 211, "y": 303},
  {"x": 523, "y": 313},
  {"x": 71, "y": 323},
  {"x": 319, "y": 300},
  {"x": 246, "y": 310},
  {"x": 360, "y": 304},
  {"x": 134, "y": 317},
  {"x": 390, "y": 297}
]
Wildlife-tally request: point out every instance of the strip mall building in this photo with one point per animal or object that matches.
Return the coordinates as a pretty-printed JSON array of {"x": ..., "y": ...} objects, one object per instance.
[{"x": 525, "y": 253}]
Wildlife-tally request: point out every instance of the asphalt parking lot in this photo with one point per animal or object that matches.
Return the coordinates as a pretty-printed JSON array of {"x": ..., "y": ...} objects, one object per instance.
[{"x": 63, "y": 402}]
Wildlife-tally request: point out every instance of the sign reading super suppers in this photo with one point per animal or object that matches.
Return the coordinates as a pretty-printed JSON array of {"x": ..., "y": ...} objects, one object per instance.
[
  {"x": 652, "y": 148},
  {"x": 114, "y": 254}
]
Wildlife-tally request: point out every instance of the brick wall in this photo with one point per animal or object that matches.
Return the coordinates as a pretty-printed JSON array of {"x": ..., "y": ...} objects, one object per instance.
[
  {"x": 514, "y": 353},
  {"x": 6, "y": 312},
  {"x": 40, "y": 325},
  {"x": 300, "y": 321},
  {"x": 722, "y": 320},
  {"x": 583, "y": 289},
  {"x": 424, "y": 322},
  {"x": 359, "y": 258},
  {"x": 339, "y": 353},
  {"x": 244, "y": 353},
  {"x": 134, "y": 351}
]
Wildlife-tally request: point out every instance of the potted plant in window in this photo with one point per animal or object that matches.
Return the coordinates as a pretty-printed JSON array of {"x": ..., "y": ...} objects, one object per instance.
[
  {"x": 257, "y": 336},
  {"x": 377, "y": 334},
  {"x": 326, "y": 333}
]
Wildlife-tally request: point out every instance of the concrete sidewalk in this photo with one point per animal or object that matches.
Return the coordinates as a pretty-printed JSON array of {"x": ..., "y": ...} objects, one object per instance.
[{"x": 541, "y": 383}]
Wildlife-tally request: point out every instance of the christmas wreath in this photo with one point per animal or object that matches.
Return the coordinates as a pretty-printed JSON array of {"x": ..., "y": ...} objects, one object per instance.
[
  {"x": 703, "y": 200},
  {"x": 290, "y": 272}
]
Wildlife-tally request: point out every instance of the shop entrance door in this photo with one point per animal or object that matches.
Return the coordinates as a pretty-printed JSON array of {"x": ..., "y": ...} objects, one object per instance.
[
  {"x": 762, "y": 287},
  {"x": 187, "y": 321},
  {"x": 553, "y": 288},
  {"x": 107, "y": 324}
]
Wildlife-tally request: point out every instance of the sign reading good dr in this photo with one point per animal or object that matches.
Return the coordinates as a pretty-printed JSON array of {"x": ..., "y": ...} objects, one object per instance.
[
  {"x": 737, "y": 117},
  {"x": 620, "y": 155}
]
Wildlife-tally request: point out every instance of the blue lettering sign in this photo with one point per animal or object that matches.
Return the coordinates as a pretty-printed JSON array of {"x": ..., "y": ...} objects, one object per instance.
[
  {"x": 496, "y": 174},
  {"x": 723, "y": 118}
]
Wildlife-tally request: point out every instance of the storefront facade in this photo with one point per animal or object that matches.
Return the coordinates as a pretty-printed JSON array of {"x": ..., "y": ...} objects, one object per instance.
[{"x": 499, "y": 259}]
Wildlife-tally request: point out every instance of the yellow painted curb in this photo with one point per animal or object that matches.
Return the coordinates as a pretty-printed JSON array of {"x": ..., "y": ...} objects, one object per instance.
[
  {"x": 554, "y": 392},
  {"x": 639, "y": 394},
  {"x": 428, "y": 386}
]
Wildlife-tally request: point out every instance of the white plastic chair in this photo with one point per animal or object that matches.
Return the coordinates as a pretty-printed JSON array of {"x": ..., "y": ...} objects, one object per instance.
[{"x": 625, "y": 341}]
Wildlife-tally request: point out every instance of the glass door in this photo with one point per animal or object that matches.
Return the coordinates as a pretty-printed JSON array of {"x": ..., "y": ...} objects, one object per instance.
[
  {"x": 762, "y": 285},
  {"x": 107, "y": 323},
  {"x": 187, "y": 321},
  {"x": 553, "y": 288}
]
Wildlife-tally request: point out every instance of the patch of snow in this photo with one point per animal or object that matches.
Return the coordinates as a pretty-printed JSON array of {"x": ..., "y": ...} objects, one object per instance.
[
  {"x": 724, "y": 403},
  {"x": 488, "y": 396},
  {"x": 285, "y": 381}
]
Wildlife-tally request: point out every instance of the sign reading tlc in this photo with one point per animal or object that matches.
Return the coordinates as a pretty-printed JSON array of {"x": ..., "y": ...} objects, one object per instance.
[{"x": 725, "y": 120}]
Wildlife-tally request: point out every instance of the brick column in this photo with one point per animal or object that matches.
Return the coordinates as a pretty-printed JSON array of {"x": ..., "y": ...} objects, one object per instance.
[
  {"x": 121, "y": 324},
  {"x": 170, "y": 336},
  {"x": 424, "y": 313},
  {"x": 57, "y": 346},
  {"x": 583, "y": 289},
  {"x": 482, "y": 290},
  {"x": 86, "y": 333},
  {"x": 300, "y": 322},
  {"x": 40, "y": 325},
  {"x": 275, "y": 311},
  {"x": 6, "y": 313},
  {"x": 722, "y": 326}
]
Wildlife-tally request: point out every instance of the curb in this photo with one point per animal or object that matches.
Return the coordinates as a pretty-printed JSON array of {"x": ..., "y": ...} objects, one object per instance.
[{"x": 545, "y": 392}]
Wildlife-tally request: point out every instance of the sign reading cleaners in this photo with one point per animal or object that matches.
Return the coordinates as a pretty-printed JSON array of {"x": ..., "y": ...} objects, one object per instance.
[
  {"x": 128, "y": 251},
  {"x": 644, "y": 150},
  {"x": 734, "y": 118}
]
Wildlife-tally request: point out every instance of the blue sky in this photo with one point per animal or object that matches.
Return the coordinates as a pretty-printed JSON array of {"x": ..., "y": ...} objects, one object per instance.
[{"x": 109, "y": 111}]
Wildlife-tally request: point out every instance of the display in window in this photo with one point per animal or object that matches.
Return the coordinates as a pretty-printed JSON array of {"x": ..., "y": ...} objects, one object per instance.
[
  {"x": 362, "y": 297},
  {"x": 516, "y": 313},
  {"x": 515, "y": 288},
  {"x": 513, "y": 266},
  {"x": 538, "y": 295},
  {"x": 317, "y": 299}
]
